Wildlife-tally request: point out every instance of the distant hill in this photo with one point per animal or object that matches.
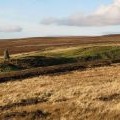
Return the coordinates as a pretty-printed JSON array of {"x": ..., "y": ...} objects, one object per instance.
[{"x": 38, "y": 43}]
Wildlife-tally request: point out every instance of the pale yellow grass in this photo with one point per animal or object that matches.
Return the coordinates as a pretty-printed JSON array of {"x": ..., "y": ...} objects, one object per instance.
[{"x": 93, "y": 94}]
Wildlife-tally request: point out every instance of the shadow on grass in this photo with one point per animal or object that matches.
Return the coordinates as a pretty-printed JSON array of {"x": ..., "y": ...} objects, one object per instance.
[
  {"x": 41, "y": 61},
  {"x": 44, "y": 97},
  {"x": 8, "y": 67},
  {"x": 37, "y": 114},
  {"x": 108, "y": 98}
]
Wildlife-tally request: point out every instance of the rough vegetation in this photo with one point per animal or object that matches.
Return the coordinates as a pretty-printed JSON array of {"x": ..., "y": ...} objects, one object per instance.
[
  {"x": 35, "y": 44},
  {"x": 67, "y": 78},
  {"x": 92, "y": 94},
  {"x": 65, "y": 56}
]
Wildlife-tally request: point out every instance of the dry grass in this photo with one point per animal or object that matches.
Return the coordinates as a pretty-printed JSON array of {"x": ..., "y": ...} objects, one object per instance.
[{"x": 93, "y": 94}]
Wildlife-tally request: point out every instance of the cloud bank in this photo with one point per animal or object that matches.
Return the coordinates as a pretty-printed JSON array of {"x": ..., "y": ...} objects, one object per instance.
[
  {"x": 10, "y": 28},
  {"x": 103, "y": 16}
]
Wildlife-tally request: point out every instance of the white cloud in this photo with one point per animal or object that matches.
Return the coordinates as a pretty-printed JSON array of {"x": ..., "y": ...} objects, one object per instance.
[
  {"x": 103, "y": 16},
  {"x": 10, "y": 28}
]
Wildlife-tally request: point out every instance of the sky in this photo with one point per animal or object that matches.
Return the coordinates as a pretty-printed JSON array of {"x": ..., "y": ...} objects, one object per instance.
[{"x": 35, "y": 18}]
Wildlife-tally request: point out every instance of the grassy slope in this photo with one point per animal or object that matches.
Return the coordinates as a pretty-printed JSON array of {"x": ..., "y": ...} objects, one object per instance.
[
  {"x": 103, "y": 52},
  {"x": 65, "y": 50},
  {"x": 63, "y": 56},
  {"x": 90, "y": 95}
]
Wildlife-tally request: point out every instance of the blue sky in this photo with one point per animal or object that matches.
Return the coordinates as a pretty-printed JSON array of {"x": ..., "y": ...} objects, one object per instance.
[{"x": 32, "y": 18}]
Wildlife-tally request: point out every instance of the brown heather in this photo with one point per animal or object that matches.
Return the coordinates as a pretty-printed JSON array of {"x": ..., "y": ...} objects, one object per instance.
[{"x": 36, "y": 44}]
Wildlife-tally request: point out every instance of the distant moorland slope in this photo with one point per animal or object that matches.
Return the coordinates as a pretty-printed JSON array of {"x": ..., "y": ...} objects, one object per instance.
[{"x": 39, "y": 43}]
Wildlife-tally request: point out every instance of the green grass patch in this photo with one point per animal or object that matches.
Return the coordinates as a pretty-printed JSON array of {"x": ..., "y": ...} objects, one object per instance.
[
  {"x": 64, "y": 56},
  {"x": 7, "y": 67},
  {"x": 103, "y": 52},
  {"x": 90, "y": 53}
]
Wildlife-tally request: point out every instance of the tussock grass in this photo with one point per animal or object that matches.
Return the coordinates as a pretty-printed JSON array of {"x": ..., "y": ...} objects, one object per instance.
[{"x": 93, "y": 94}]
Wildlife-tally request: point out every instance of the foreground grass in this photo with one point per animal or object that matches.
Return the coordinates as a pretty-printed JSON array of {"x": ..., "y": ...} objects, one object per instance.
[{"x": 93, "y": 94}]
